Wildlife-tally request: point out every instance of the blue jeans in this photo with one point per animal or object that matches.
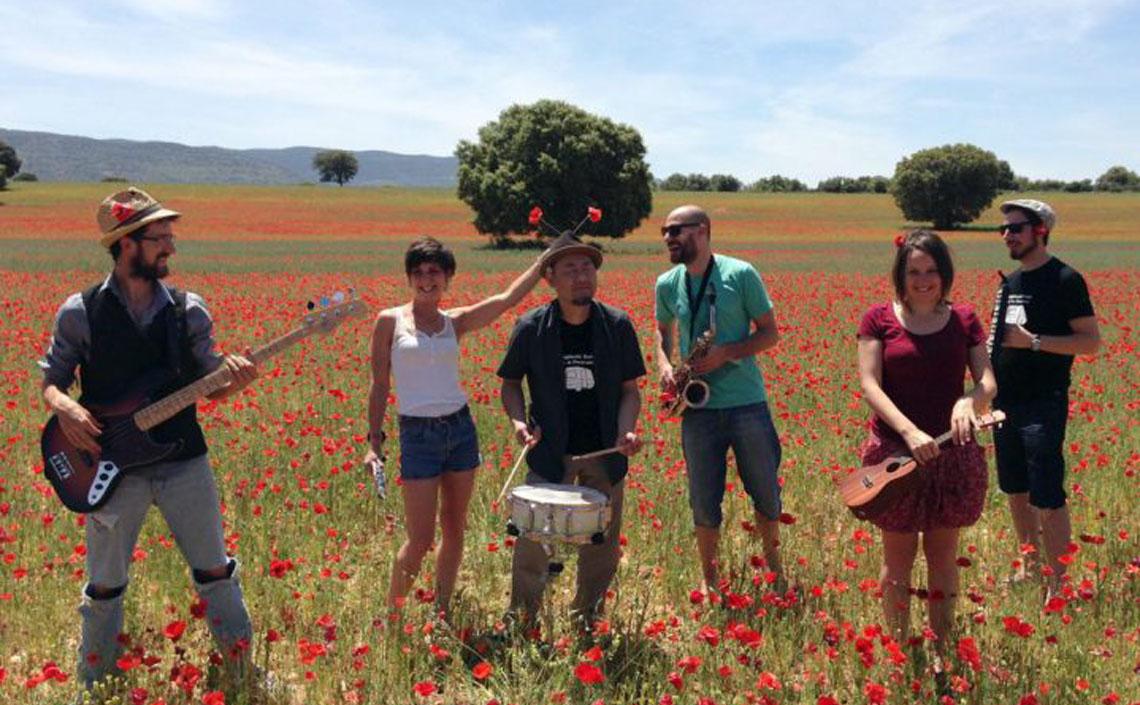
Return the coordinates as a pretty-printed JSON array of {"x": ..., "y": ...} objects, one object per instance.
[
  {"x": 1029, "y": 448},
  {"x": 433, "y": 445},
  {"x": 706, "y": 436}
]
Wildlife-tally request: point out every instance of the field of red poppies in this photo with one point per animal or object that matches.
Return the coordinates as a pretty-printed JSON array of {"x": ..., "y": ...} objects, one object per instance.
[{"x": 316, "y": 544}]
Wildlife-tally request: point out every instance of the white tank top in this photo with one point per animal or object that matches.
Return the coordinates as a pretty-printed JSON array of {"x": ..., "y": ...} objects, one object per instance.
[{"x": 426, "y": 368}]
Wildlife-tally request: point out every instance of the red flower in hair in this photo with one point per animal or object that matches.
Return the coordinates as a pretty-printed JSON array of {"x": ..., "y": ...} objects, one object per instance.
[
  {"x": 899, "y": 240},
  {"x": 595, "y": 214},
  {"x": 121, "y": 211},
  {"x": 535, "y": 216}
]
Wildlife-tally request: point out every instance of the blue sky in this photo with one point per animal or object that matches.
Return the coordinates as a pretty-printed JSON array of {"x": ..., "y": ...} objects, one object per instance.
[{"x": 804, "y": 89}]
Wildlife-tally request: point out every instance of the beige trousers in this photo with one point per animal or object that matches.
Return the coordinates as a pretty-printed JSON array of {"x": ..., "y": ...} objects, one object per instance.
[{"x": 597, "y": 564}]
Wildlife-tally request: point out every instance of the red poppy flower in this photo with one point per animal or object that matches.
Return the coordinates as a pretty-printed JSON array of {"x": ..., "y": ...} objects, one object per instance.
[
  {"x": 535, "y": 216},
  {"x": 589, "y": 674},
  {"x": 482, "y": 671},
  {"x": 595, "y": 214},
  {"x": 424, "y": 688},
  {"x": 173, "y": 631}
]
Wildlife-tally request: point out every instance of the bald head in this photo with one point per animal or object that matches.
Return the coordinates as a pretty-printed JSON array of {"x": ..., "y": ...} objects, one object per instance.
[{"x": 689, "y": 214}]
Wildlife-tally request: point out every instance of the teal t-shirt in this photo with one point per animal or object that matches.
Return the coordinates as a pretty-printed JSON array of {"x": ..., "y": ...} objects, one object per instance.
[{"x": 740, "y": 298}]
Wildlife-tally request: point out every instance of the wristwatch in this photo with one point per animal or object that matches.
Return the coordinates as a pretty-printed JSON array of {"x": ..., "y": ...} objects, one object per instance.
[{"x": 1035, "y": 344}]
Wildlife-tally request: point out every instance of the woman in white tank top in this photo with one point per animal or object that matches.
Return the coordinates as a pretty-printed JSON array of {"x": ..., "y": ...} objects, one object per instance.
[{"x": 417, "y": 345}]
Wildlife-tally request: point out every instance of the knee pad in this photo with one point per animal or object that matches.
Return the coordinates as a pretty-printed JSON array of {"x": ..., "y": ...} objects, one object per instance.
[{"x": 203, "y": 578}]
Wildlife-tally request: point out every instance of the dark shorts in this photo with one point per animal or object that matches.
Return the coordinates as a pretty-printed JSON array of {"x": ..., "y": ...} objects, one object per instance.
[
  {"x": 431, "y": 446},
  {"x": 707, "y": 435},
  {"x": 1029, "y": 447}
]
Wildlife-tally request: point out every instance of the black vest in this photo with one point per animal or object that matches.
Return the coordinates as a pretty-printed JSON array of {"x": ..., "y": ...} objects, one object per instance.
[{"x": 124, "y": 360}]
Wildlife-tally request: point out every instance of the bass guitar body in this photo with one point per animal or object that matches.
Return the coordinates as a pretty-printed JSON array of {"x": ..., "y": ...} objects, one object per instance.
[{"x": 84, "y": 482}]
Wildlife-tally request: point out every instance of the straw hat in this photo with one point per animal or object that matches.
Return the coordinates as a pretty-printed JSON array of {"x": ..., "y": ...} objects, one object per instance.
[{"x": 123, "y": 213}]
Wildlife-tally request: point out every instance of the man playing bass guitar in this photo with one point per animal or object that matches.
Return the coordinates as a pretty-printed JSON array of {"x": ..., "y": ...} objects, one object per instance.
[{"x": 128, "y": 329}]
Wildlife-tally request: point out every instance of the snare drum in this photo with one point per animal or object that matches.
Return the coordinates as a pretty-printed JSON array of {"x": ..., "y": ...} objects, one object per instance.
[{"x": 566, "y": 513}]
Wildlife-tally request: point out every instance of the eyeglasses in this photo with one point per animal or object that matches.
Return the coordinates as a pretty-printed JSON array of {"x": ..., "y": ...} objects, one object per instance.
[
  {"x": 162, "y": 238},
  {"x": 1014, "y": 228},
  {"x": 675, "y": 229}
]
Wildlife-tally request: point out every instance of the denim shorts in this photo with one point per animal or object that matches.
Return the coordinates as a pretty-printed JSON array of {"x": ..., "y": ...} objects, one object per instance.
[
  {"x": 707, "y": 435},
  {"x": 1030, "y": 448},
  {"x": 431, "y": 446}
]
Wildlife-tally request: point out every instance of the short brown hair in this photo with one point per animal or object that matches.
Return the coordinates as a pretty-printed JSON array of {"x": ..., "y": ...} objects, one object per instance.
[{"x": 428, "y": 249}]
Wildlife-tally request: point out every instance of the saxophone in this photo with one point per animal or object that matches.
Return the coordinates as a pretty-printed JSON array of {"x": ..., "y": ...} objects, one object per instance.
[{"x": 693, "y": 392}]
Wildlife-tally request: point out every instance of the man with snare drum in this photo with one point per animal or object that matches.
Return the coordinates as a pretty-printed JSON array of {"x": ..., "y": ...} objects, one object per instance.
[
  {"x": 581, "y": 361},
  {"x": 726, "y": 296}
]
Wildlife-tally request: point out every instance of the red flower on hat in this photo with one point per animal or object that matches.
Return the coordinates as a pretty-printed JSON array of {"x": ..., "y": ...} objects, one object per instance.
[
  {"x": 535, "y": 216},
  {"x": 899, "y": 240},
  {"x": 121, "y": 211},
  {"x": 595, "y": 214}
]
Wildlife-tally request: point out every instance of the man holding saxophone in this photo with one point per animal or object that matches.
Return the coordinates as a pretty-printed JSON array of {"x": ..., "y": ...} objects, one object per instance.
[{"x": 725, "y": 296}]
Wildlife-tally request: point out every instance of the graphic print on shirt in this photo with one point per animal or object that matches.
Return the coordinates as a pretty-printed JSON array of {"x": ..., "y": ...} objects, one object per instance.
[{"x": 579, "y": 371}]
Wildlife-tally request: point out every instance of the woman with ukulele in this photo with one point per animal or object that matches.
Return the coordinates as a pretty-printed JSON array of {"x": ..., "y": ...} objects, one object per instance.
[
  {"x": 913, "y": 353},
  {"x": 417, "y": 344}
]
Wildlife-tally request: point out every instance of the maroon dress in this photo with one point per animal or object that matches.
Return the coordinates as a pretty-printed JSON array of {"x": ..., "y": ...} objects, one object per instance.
[{"x": 924, "y": 375}]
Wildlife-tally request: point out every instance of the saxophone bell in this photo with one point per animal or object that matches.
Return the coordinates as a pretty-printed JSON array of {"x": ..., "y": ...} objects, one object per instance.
[{"x": 696, "y": 393}]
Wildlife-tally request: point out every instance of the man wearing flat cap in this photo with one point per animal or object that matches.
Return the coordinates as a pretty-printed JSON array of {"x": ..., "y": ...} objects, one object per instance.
[
  {"x": 117, "y": 333},
  {"x": 581, "y": 361},
  {"x": 1043, "y": 318}
]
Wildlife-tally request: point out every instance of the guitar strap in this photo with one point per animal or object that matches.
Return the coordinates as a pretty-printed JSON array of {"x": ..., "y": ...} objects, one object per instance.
[{"x": 998, "y": 322}]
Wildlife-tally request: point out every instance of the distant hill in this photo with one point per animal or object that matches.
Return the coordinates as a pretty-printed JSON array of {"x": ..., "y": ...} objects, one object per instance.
[{"x": 53, "y": 157}]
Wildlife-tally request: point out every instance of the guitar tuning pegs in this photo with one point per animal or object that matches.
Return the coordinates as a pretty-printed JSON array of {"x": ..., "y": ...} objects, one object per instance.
[
  {"x": 325, "y": 301},
  {"x": 338, "y": 297}
]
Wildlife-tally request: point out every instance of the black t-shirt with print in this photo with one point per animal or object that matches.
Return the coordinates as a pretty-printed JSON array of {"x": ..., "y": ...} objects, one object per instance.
[
  {"x": 1043, "y": 300},
  {"x": 581, "y": 388}
]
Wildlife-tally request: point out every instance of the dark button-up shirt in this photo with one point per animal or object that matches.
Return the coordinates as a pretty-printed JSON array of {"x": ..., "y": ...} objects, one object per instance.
[{"x": 535, "y": 352}]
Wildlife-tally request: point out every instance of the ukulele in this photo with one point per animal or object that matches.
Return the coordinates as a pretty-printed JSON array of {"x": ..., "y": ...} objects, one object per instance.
[
  {"x": 84, "y": 482},
  {"x": 869, "y": 491}
]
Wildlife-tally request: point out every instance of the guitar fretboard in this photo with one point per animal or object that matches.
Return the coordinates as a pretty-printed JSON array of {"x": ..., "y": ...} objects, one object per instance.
[{"x": 150, "y": 416}]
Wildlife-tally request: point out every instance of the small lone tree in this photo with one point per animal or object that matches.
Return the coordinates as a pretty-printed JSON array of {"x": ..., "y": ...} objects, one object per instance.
[
  {"x": 561, "y": 158},
  {"x": 946, "y": 185},
  {"x": 336, "y": 165},
  {"x": 9, "y": 163}
]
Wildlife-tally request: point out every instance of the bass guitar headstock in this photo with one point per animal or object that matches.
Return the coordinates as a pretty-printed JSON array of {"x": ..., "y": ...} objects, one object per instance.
[{"x": 329, "y": 312}]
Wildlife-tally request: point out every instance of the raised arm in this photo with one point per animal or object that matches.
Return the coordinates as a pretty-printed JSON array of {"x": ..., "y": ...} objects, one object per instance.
[
  {"x": 473, "y": 317},
  {"x": 921, "y": 445}
]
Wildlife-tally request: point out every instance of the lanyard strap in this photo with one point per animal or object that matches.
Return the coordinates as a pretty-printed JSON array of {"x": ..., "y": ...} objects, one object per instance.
[{"x": 695, "y": 303}]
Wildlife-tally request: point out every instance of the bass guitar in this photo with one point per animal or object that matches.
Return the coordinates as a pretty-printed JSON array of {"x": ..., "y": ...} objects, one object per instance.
[
  {"x": 84, "y": 482},
  {"x": 871, "y": 490}
]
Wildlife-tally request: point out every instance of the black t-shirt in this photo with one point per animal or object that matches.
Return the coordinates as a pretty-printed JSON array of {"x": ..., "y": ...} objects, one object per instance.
[
  {"x": 581, "y": 388},
  {"x": 1043, "y": 300}
]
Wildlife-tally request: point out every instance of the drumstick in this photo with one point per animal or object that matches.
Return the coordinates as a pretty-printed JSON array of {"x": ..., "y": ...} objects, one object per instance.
[
  {"x": 512, "y": 475},
  {"x": 595, "y": 454}
]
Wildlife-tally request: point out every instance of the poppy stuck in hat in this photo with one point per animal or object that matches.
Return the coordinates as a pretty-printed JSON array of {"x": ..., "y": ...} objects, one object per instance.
[{"x": 123, "y": 213}]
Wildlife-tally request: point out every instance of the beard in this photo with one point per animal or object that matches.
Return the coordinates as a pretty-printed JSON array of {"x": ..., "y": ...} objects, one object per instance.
[
  {"x": 684, "y": 253},
  {"x": 1022, "y": 254},
  {"x": 150, "y": 271}
]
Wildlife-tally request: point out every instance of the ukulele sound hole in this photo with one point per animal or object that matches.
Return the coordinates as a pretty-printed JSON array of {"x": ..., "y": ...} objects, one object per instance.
[{"x": 892, "y": 467}]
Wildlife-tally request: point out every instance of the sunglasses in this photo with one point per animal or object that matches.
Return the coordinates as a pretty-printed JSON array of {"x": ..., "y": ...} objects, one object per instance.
[
  {"x": 1014, "y": 228},
  {"x": 675, "y": 229}
]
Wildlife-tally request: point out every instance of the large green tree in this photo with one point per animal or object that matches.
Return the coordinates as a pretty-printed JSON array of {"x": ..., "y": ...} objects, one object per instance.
[
  {"x": 9, "y": 163},
  {"x": 1118, "y": 178},
  {"x": 560, "y": 158},
  {"x": 946, "y": 185},
  {"x": 336, "y": 165}
]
